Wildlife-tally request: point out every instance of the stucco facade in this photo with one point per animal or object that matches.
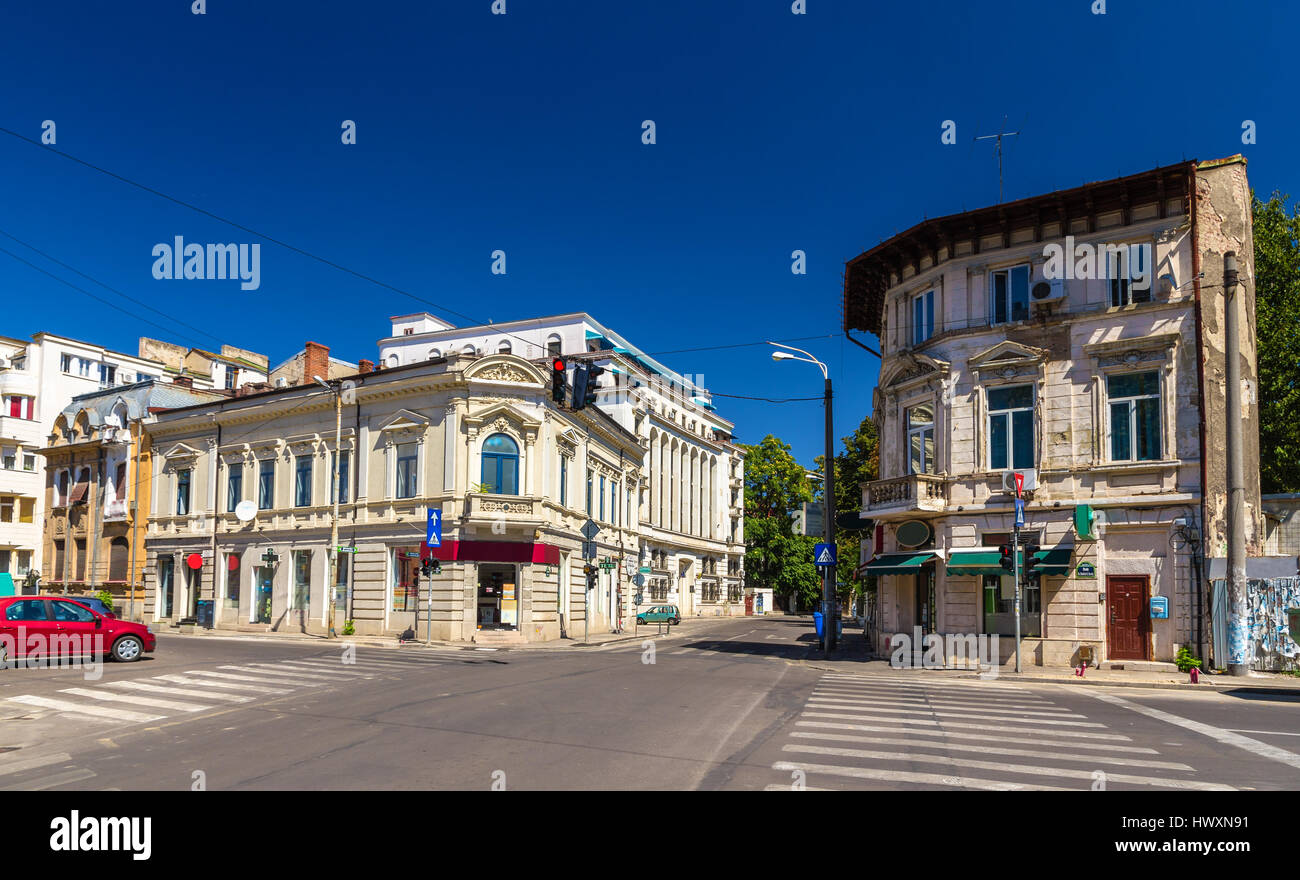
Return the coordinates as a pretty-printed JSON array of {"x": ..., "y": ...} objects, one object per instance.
[{"x": 1106, "y": 397}]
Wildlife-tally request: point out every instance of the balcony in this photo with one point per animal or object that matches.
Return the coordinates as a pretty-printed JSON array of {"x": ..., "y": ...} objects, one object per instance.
[
  {"x": 914, "y": 493},
  {"x": 504, "y": 508}
]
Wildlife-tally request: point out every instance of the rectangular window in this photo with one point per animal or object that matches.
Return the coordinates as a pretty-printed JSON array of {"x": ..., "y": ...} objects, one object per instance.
[
  {"x": 920, "y": 439},
  {"x": 1011, "y": 427},
  {"x": 20, "y": 406},
  {"x": 26, "y": 509},
  {"x": 232, "y": 578},
  {"x": 266, "y": 484},
  {"x": 234, "y": 486},
  {"x": 29, "y": 462},
  {"x": 182, "y": 492},
  {"x": 564, "y": 481},
  {"x": 61, "y": 489},
  {"x": 344, "y": 476},
  {"x": 65, "y": 363},
  {"x": 1125, "y": 270},
  {"x": 107, "y": 373},
  {"x": 83, "y": 367},
  {"x": 9, "y": 459},
  {"x": 119, "y": 481},
  {"x": 589, "y": 481},
  {"x": 407, "y": 458},
  {"x": 230, "y": 377},
  {"x": 7, "y": 509},
  {"x": 1134, "y": 416},
  {"x": 1009, "y": 300},
  {"x": 601, "y": 497},
  {"x": 922, "y": 317},
  {"x": 613, "y": 503},
  {"x": 302, "y": 481}
]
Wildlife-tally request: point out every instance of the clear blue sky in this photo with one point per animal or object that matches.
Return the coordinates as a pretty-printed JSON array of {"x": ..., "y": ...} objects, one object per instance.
[{"x": 522, "y": 132}]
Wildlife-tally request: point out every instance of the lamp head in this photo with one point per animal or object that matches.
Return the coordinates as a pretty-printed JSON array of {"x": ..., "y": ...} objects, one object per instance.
[{"x": 781, "y": 355}]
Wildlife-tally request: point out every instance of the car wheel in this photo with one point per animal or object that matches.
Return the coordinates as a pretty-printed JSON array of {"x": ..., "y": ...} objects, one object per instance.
[
  {"x": 674, "y": 621},
  {"x": 127, "y": 649}
]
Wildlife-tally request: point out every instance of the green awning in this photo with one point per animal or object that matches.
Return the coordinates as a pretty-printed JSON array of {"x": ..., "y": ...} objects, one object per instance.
[
  {"x": 1054, "y": 561},
  {"x": 977, "y": 562},
  {"x": 898, "y": 563}
]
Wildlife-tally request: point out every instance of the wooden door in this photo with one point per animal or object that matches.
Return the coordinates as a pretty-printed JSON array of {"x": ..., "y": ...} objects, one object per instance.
[{"x": 1128, "y": 618}]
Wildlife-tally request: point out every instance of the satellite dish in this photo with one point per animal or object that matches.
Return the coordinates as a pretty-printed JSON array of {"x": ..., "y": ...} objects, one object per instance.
[{"x": 245, "y": 511}]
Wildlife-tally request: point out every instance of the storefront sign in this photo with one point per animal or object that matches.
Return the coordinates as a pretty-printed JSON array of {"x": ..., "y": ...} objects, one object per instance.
[{"x": 1086, "y": 570}]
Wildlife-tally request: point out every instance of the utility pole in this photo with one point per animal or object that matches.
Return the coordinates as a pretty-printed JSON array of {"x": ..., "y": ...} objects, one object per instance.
[
  {"x": 334, "y": 522},
  {"x": 1238, "y": 653},
  {"x": 831, "y": 615},
  {"x": 1015, "y": 570},
  {"x": 998, "y": 149}
]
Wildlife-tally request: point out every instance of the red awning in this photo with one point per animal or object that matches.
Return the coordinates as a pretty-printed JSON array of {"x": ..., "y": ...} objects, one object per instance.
[{"x": 493, "y": 551}]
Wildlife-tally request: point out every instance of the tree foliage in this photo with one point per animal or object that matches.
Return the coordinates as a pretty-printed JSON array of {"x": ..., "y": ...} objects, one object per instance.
[
  {"x": 857, "y": 462},
  {"x": 1277, "y": 330},
  {"x": 775, "y": 557}
]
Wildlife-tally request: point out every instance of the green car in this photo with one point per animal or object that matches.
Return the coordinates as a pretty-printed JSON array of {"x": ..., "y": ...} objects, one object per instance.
[{"x": 660, "y": 614}]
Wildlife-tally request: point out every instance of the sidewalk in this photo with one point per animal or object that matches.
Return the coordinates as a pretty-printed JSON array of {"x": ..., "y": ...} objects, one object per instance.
[{"x": 687, "y": 627}]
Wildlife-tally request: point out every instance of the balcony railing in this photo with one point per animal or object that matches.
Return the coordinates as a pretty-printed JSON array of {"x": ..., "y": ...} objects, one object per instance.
[
  {"x": 511, "y": 507},
  {"x": 914, "y": 492}
]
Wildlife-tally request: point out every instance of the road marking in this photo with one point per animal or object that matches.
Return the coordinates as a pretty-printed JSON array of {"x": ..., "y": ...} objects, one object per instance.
[
  {"x": 995, "y": 750},
  {"x": 268, "y": 669},
  {"x": 331, "y": 669},
  {"x": 1004, "y": 716},
  {"x": 184, "y": 692},
  {"x": 1254, "y": 746},
  {"x": 132, "y": 698},
  {"x": 873, "y": 700},
  {"x": 915, "y": 778},
  {"x": 228, "y": 676},
  {"x": 207, "y": 682},
  {"x": 951, "y": 684},
  {"x": 926, "y": 722},
  {"x": 100, "y": 712},
  {"x": 52, "y": 781},
  {"x": 22, "y": 764},
  {"x": 951, "y": 734},
  {"x": 1263, "y": 732},
  {"x": 919, "y": 694},
  {"x": 741, "y": 636},
  {"x": 1024, "y": 769},
  {"x": 792, "y": 788}
]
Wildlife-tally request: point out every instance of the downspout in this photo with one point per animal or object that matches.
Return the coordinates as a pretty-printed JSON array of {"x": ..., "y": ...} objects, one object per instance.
[
  {"x": 1200, "y": 390},
  {"x": 134, "y": 512},
  {"x": 355, "y": 479},
  {"x": 849, "y": 336}
]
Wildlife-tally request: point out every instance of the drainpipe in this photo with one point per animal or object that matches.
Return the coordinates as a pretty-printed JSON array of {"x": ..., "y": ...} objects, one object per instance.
[
  {"x": 134, "y": 513},
  {"x": 1199, "y": 560},
  {"x": 1238, "y": 659}
]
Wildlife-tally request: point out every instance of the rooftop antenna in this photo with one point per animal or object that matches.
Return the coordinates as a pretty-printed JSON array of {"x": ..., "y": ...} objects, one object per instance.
[{"x": 998, "y": 149}]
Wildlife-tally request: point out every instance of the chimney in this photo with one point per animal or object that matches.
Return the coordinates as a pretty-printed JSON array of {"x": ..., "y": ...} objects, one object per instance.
[
  {"x": 315, "y": 362},
  {"x": 366, "y": 366}
]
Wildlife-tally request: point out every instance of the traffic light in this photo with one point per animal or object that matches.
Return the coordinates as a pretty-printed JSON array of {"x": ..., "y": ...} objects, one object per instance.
[
  {"x": 559, "y": 374},
  {"x": 579, "y": 386},
  {"x": 589, "y": 390},
  {"x": 1007, "y": 563},
  {"x": 590, "y": 571},
  {"x": 430, "y": 567},
  {"x": 1031, "y": 555}
]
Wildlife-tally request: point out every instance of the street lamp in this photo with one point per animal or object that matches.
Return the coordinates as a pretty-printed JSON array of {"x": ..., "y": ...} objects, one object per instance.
[
  {"x": 334, "y": 521},
  {"x": 829, "y": 605}
]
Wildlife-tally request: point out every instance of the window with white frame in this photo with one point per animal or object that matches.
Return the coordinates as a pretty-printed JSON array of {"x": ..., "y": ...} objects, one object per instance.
[
  {"x": 920, "y": 439},
  {"x": 1009, "y": 295},
  {"x": 1134, "y": 416},
  {"x": 1011, "y": 427},
  {"x": 408, "y": 455},
  {"x": 922, "y": 317},
  {"x": 1128, "y": 272}
]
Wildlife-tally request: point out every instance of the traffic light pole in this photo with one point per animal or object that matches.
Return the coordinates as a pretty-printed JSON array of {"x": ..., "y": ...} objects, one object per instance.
[
  {"x": 1015, "y": 568},
  {"x": 830, "y": 610}
]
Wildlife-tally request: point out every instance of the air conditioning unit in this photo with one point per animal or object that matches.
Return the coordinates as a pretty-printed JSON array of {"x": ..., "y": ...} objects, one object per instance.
[
  {"x": 1009, "y": 480},
  {"x": 281, "y": 382},
  {"x": 4, "y": 363},
  {"x": 1048, "y": 291}
]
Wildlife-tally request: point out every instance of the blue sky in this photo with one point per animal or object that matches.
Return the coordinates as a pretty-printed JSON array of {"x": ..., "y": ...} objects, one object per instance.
[{"x": 522, "y": 132}]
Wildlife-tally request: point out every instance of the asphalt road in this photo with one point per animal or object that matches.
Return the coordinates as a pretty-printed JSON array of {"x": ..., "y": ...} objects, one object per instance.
[{"x": 735, "y": 704}]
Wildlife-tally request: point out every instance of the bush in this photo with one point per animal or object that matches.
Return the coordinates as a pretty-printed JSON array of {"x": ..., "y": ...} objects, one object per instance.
[
  {"x": 348, "y": 628},
  {"x": 1186, "y": 662},
  {"x": 107, "y": 598}
]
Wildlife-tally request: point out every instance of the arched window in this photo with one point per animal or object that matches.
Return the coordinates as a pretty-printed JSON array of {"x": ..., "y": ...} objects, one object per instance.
[
  {"x": 434, "y": 353},
  {"x": 503, "y": 347},
  {"x": 468, "y": 350},
  {"x": 500, "y": 465},
  {"x": 392, "y": 360},
  {"x": 553, "y": 345}
]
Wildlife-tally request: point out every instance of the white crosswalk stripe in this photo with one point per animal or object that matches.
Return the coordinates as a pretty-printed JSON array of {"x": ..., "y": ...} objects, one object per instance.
[
  {"x": 146, "y": 687},
  {"x": 9, "y": 767},
  {"x": 288, "y": 672},
  {"x": 83, "y": 708},
  {"x": 133, "y": 698},
  {"x": 259, "y": 679},
  {"x": 877, "y": 731},
  {"x": 233, "y": 685}
]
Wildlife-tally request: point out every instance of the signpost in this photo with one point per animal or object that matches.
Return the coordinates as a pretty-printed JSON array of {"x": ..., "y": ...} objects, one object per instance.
[{"x": 1015, "y": 555}]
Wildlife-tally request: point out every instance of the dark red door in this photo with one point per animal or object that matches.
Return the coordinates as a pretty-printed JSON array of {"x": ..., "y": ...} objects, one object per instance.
[{"x": 1129, "y": 618}]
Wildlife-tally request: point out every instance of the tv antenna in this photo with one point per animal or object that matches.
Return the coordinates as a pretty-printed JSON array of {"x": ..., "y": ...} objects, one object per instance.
[{"x": 998, "y": 149}]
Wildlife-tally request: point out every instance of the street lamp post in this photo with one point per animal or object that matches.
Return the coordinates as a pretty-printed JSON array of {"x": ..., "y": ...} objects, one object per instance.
[
  {"x": 830, "y": 613},
  {"x": 332, "y": 586}
]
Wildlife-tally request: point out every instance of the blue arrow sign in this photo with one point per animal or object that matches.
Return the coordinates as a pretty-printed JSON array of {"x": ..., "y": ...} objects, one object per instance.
[
  {"x": 824, "y": 554},
  {"x": 433, "y": 536}
]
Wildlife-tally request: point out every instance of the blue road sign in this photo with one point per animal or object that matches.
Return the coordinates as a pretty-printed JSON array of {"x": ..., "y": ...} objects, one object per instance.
[
  {"x": 824, "y": 554},
  {"x": 1020, "y": 513},
  {"x": 433, "y": 537}
]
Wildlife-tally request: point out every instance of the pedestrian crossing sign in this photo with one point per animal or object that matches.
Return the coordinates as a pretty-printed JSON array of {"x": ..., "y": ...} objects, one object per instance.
[{"x": 824, "y": 554}]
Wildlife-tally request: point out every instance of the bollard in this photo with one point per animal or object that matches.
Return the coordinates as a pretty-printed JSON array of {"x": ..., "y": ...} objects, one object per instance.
[{"x": 1196, "y": 675}]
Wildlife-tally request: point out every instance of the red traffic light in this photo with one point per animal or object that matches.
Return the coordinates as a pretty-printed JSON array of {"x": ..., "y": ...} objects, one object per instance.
[{"x": 558, "y": 364}]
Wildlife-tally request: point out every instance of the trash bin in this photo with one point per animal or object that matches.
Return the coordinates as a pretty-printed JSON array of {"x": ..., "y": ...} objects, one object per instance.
[
  {"x": 817, "y": 621},
  {"x": 205, "y": 613}
]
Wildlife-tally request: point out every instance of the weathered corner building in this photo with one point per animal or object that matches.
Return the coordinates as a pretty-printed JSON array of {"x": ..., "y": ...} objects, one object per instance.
[{"x": 1006, "y": 349}]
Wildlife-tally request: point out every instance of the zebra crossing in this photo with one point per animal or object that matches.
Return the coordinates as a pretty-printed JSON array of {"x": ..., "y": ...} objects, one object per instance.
[
  {"x": 177, "y": 694},
  {"x": 864, "y": 731}
]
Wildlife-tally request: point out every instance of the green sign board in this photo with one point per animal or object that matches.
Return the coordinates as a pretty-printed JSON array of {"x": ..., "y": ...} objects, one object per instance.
[
  {"x": 347, "y": 549},
  {"x": 645, "y": 569},
  {"x": 1086, "y": 570}
]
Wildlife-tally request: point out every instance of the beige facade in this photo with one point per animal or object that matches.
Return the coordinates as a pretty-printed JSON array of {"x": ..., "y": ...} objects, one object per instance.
[
  {"x": 1106, "y": 397},
  {"x": 477, "y": 438}
]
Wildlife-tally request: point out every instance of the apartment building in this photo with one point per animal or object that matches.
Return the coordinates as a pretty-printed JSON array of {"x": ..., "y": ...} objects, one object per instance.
[
  {"x": 97, "y": 489},
  {"x": 1098, "y": 378},
  {"x": 478, "y": 438},
  {"x": 691, "y": 501}
]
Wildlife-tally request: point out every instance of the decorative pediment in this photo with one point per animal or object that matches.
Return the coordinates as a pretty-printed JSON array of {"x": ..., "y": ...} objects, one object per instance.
[
  {"x": 1007, "y": 360},
  {"x": 913, "y": 368},
  {"x": 502, "y": 417},
  {"x": 180, "y": 452},
  {"x": 1158, "y": 348},
  {"x": 405, "y": 421},
  {"x": 505, "y": 368}
]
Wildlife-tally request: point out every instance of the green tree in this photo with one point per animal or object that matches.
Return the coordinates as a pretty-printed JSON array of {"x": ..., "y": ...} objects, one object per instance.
[
  {"x": 775, "y": 557},
  {"x": 857, "y": 462},
  {"x": 1277, "y": 332}
]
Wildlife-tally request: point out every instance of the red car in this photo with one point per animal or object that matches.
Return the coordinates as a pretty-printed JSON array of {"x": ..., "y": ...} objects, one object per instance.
[{"x": 33, "y": 626}]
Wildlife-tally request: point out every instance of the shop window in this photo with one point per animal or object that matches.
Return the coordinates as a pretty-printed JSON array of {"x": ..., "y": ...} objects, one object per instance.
[{"x": 119, "y": 552}]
